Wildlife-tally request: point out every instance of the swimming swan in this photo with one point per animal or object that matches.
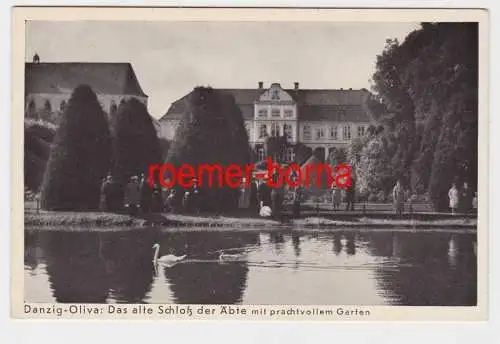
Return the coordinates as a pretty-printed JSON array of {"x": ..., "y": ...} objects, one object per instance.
[
  {"x": 225, "y": 256},
  {"x": 168, "y": 259}
]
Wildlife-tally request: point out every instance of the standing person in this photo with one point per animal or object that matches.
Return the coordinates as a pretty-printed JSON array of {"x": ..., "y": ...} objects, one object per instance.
[
  {"x": 186, "y": 202},
  {"x": 336, "y": 196},
  {"x": 474, "y": 202},
  {"x": 133, "y": 195},
  {"x": 453, "y": 197},
  {"x": 398, "y": 196},
  {"x": 146, "y": 195},
  {"x": 254, "y": 199},
  {"x": 277, "y": 201},
  {"x": 157, "y": 199},
  {"x": 350, "y": 195},
  {"x": 195, "y": 197},
  {"x": 106, "y": 193},
  {"x": 465, "y": 199},
  {"x": 170, "y": 201},
  {"x": 297, "y": 193}
]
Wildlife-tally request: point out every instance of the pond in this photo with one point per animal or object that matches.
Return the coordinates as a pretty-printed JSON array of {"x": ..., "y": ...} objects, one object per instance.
[{"x": 270, "y": 267}]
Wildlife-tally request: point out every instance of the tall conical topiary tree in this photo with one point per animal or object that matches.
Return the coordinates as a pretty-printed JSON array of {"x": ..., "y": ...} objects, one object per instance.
[
  {"x": 136, "y": 143},
  {"x": 211, "y": 132},
  {"x": 80, "y": 155}
]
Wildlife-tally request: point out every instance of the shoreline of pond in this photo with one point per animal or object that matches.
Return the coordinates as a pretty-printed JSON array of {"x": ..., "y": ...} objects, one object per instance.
[{"x": 100, "y": 221}]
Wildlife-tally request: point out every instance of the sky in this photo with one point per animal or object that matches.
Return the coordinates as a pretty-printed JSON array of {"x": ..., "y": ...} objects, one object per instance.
[{"x": 170, "y": 58}]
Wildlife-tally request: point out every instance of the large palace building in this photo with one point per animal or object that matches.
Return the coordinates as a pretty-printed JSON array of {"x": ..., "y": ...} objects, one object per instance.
[{"x": 320, "y": 119}]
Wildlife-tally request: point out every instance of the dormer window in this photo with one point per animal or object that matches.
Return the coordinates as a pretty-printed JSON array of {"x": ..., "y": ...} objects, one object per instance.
[{"x": 275, "y": 95}]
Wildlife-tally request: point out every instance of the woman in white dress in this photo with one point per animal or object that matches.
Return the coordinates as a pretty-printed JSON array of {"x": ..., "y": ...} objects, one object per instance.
[{"x": 453, "y": 196}]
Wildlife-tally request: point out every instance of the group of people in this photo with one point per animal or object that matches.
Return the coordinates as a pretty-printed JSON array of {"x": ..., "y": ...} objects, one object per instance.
[
  {"x": 462, "y": 200},
  {"x": 350, "y": 196},
  {"x": 136, "y": 196}
]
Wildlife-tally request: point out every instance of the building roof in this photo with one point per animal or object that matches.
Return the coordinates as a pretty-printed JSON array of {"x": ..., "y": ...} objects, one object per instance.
[
  {"x": 313, "y": 105},
  {"x": 64, "y": 77}
]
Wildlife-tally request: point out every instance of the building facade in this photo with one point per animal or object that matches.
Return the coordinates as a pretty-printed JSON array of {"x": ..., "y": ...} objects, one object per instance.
[
  {"x": 48, "y": 86},
  {"x": 319, "y": 119}
]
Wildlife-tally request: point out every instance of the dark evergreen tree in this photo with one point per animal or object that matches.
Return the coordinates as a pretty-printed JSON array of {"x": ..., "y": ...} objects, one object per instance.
[
  {"x": 136, "y": 144},
  {"x": 79, "y": 157},
  {"x": 211, "y": 131}
]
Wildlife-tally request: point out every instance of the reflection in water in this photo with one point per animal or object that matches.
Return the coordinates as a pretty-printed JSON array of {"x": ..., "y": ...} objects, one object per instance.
[
  {"x": 205, "y": 280},
  {"x": 453, "y": 251},
  {"x": 77, "y": 273},
  {"x": 337, "y": 244},
  {"x": 296, "y": 243},
  {"x": 364, "y": 268}
]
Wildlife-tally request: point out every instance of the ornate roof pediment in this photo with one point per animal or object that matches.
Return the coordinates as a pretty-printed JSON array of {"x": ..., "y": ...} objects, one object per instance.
[{"x": 275, "y": 94}]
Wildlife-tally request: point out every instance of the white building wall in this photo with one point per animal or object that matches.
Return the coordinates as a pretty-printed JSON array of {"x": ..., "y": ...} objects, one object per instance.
[{"x": 168, "y": 128}]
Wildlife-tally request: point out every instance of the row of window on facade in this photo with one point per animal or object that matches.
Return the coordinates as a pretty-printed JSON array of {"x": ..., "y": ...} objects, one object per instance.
[
  {"x": 275, "y": 113},
  {"x": 333, "y": 131},
  {"x": 47, "y": 106}
]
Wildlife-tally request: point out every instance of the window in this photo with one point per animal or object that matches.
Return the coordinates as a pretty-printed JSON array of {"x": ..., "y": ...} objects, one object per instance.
[
  {"x": 288, "y": 131},
  {"x": 333, "y": 132},
  {"x": 31, "y": 113},
  {"x": 347, "y": 132},
  {"x": 247, "y": 128},
  {"x": 112, "y": 108},
  {"x": 260, "y": 153},
  {"x": 306, "y": 132},
  {"x": 262, "y": 131},
  {"x": 275, "y": 129},
  {"x": 47, "y": 106},
  {"x": 288, "y": 113},
  {"x": 320, "y": 133},
  {"x": 361, "y": 131},
  {"x": 290, "y": 154},
  {"x": 275, "y": 112},
  {"x": 262, "y": 113}
]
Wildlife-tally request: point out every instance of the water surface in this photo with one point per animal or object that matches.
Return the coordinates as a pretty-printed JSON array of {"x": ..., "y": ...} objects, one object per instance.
[{"x": 286, "y": 267}]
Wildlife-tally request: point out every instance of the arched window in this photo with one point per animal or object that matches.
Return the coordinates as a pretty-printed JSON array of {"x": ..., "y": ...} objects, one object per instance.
[
  {"x": 47, "y": 106},
  {"x": 112, "y": 108}
]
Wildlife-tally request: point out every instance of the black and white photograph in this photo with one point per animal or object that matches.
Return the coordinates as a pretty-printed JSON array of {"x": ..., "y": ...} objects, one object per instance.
[{"x": 205, "y": 162}]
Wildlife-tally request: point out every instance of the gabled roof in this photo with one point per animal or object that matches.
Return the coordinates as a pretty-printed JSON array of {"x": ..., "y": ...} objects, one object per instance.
[
  {"x": 64, "y": 77},
  {"x": 313, "y": 105}
]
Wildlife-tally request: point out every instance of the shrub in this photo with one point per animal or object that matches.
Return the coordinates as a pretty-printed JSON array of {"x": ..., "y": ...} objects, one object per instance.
[
  {"x": 372, "y": 198},
  {"x": 79, "y": 157},
  {"x": 37, "y": 138}
]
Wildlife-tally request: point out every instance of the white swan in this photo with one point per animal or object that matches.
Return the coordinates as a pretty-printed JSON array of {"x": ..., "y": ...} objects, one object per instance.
[
  {"x": 169, "y": 259},
  {"x": 225, "y": 256}
]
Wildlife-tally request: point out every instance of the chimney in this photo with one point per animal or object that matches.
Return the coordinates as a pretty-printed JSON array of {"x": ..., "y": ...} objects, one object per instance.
[
  {"x": 36, "y": 58},
  {"x": 296, "y": 85},
  {"x": 261, "y": 85}
]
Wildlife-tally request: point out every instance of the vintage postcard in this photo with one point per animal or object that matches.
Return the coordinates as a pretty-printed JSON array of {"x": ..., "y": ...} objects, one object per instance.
[{"x": 252, "y": 164}]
